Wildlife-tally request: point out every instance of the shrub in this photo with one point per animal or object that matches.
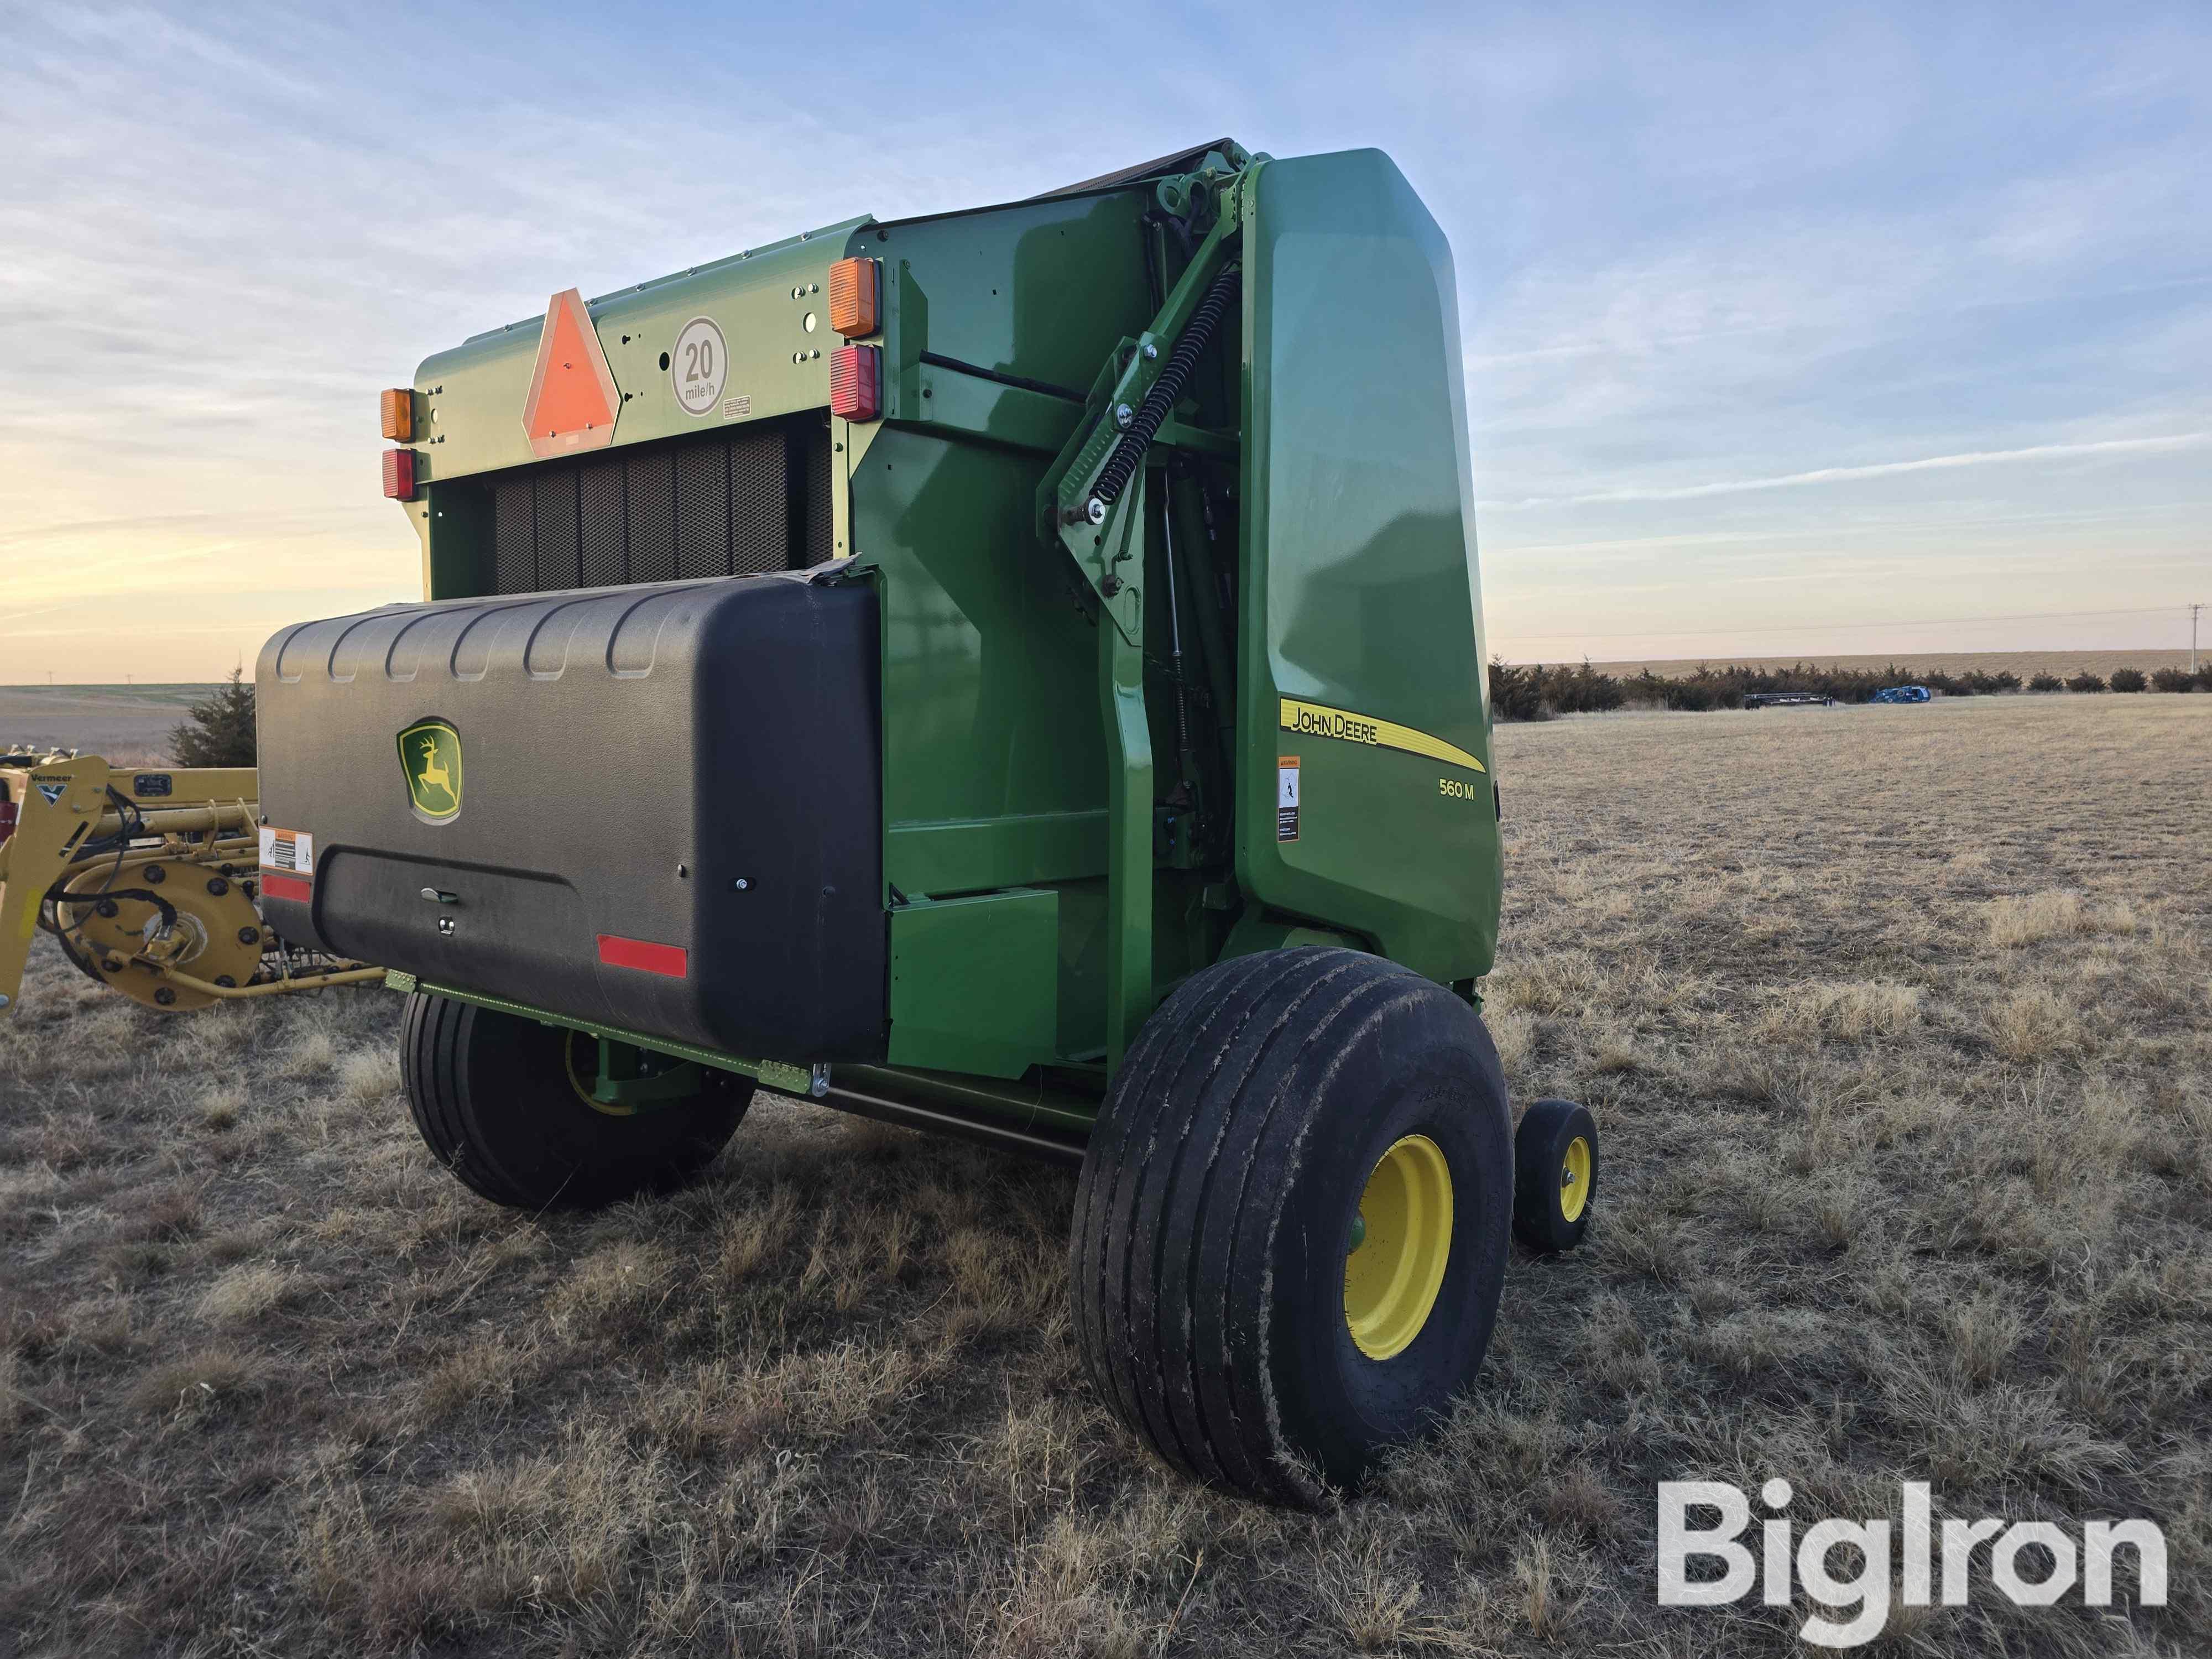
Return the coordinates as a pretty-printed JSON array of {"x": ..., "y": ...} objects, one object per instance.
[
  {"x": 220, "y": 730},
  {"x": 2128, "y": 679},
  {"x": 2204, "y": 677},
  {"x": 1516, "y": 694},
  {"x": 1580, "y": 690},
  {"x": 2172, "y": 679},
  {"x": 2086, "y": 681},
  {"x": 1699, "y": 693},
  {"x": 2047, "y": 683}
]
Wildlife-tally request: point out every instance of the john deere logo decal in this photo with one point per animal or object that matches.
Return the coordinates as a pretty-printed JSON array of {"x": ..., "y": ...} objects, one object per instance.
[{"x": 430, "y": 755}]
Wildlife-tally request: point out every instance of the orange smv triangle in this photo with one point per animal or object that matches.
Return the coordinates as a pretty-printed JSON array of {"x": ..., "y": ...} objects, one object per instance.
[{"x": 572, "y": 399}]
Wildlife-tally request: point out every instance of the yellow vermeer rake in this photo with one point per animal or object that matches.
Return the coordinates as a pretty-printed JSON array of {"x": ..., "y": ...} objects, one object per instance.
[{"x": 148, "y": 880}]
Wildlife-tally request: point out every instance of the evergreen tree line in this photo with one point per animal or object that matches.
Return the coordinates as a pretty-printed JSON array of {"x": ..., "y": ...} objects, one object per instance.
[{"x": 1538, "y": 691}]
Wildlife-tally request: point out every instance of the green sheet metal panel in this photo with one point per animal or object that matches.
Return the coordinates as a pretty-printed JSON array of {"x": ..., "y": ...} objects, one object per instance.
[
  {"x": 975, "y": 982},
  {"x": 472, "y": 396},
  {"x": 994, "y": 769},
  {"x": 1042, "y": 289},
  {"x": 1361, "y": 600}
]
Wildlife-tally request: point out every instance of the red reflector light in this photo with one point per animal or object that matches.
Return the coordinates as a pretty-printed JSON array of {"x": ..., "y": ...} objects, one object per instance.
[
  {"x": 395, "y": 414},
  {"x": 619, "y": 952},
  {"x": 856, "y": 382},
  {"x": 295, "y": 888},
  {"x": 852, "y": 296},
  {"x": 399, "y": 474}
]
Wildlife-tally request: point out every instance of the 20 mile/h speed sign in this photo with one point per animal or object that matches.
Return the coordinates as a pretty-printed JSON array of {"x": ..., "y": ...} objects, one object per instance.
[{"x": 698, "y": 366}]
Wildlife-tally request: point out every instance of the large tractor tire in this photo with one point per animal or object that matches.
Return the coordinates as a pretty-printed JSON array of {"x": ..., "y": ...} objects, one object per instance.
[
  {"x": 1291, "y": 1232},
  {"x": 505, "y": 1103}
]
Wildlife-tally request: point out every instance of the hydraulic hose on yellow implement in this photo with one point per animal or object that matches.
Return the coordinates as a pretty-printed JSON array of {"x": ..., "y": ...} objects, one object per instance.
[{"x": 147, "y": 880}]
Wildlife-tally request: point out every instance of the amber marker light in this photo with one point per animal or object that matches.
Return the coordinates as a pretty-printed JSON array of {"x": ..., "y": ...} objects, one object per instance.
[
  {"x": 395, "y": 411},
  {"x": 853, "y": 285}
]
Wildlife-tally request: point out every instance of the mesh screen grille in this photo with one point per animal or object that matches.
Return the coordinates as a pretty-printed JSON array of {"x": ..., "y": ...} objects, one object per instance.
[
  {"x": 651, "y": 477},
  {"x": 760, "y": 504},
  {"x": 813, "y": 461},
  {"x": 703, "y": 510},
  {"x": 556, "y": 528},
  {"x": 754, "y": 500},
  {"x": 600, "y": 513},
  {"x": 515, "y": 539}
]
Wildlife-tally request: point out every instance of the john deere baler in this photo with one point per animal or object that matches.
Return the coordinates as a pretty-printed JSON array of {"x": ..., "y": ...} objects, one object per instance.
[{"x": 1016, "y": 671}]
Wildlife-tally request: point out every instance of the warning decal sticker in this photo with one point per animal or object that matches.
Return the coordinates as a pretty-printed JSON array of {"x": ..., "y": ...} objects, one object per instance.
[
  {"x": 1287, "y": 798},
  {"x": 290, "y": 852}
]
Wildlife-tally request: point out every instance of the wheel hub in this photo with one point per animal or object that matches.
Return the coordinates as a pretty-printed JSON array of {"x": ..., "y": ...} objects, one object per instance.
[
  {"x": 1401, "y": 1242},
  {"x": 1574, "y": 1179},
  {"x": 217, "y": 936}
]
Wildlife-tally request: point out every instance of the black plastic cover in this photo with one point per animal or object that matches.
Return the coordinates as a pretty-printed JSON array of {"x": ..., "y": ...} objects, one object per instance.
[{"x": 686, "y": 767}]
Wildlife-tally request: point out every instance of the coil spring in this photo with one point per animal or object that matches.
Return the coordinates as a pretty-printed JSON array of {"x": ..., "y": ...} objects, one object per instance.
[{"x": 1121, "y": 466}]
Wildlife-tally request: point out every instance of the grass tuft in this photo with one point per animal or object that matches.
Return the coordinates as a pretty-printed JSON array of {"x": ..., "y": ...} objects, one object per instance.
[
  {"x": 198, "y": 1384},
  {"x": 244, "y": 1295}
]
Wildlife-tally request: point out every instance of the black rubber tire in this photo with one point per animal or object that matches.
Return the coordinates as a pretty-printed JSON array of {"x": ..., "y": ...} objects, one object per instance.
[
  {"x": 493, "y": 1101},
  {"x": 1547, "y": 1129},
  {"x": 1215, "y": 1211}
]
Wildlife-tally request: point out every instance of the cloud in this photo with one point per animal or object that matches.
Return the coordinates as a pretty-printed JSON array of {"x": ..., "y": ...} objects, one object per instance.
[{"x": 1878, "y": 470}]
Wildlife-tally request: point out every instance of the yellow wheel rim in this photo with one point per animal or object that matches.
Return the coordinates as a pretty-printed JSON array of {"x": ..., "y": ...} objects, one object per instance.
[
  {"x": 580, "y": 1053},
  {"x": 1574, "y": 1179},
  {"x": 1401, "y": 1242}
]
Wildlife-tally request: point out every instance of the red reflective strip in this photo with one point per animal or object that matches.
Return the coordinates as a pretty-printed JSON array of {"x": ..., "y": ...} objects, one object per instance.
[
  {"x": 287, "y": 887},
  {"x": 619, "y": 952}
]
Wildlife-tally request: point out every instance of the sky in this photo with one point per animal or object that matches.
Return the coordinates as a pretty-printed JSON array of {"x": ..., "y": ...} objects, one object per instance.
[{"x": 1788, "y": 330}]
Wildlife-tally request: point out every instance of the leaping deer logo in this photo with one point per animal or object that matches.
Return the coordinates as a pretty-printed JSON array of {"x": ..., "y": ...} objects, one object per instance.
[
  {"x": 430, "y": 761},
  {"x": 433, "y": 774}
]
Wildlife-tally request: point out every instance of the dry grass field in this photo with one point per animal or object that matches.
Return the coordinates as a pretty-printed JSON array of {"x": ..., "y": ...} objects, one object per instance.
[
  {"x": 2022, "y": 663},
  {"x": 128, "y": 724},
  {"x": 1898, "y": 1024}
]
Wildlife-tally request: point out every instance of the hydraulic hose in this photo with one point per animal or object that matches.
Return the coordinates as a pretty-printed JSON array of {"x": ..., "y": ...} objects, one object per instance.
[
  {"x": 1128, "y": 454},
  {"x": 59, "y": 926},
  {"x": 142, "y": 895}
]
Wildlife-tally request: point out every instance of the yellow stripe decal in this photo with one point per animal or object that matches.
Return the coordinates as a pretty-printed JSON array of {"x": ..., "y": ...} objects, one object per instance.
[{"x": 1314, "y": 720}]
